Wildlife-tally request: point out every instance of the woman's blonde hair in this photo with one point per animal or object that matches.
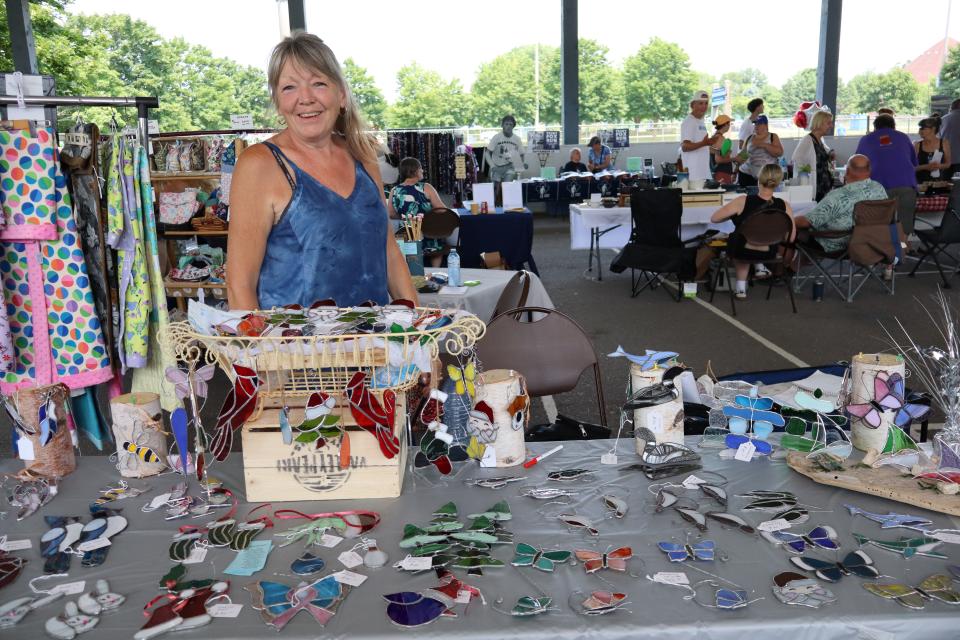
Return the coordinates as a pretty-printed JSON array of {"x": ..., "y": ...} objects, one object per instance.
[
  {"x": 771, "y": 175},
  {"x": 819, "y": 118},
  {"x": 309, "y": 52}
]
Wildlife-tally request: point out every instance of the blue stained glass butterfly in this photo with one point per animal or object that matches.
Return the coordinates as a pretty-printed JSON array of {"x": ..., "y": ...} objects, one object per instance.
[
  {"x": 823, "y": 537},
  {"x": 757, "y": 411},
  {"x": 704, "y": 550},
  {"x": 526, "y": 555},
  {"x": 856, "y": 563},
  {"x": 888, "y": 394}
]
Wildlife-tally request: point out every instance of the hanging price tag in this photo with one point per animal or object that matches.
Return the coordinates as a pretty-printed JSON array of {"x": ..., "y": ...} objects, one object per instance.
[
  {"x": 692, "y": 482},
  {"x": 668, "y": 577},
  {"x": 773, "y": 525},
  {"x": 745, "y": 452},
  {"x": 608, "y": 458},
  {"x": 25, "y": 449},
  {"x": 350, "y": 578},
  {"x": 69, "y": 588},
  {"x": 489, "y": 458},
  {"x": 329, "y": 540},
  {"x": 350, "y": 559},
  {"x": 411, "y": 563},
  {"x": 463, "y": 597},
  {"x": 224, "y": 610},
  {"x": 241, "y": 121},
  {"x": 16, "y": 545},
  {"x": 197, "y": 554}
]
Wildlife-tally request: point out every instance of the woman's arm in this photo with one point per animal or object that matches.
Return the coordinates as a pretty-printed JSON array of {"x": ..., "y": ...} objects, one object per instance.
[
  {"x": 399, "y": 283},
  {"x": 947, "y": 159},
  {"x": 775, "y": 147},
  {"x": 435, "y": 200},
  {"x": 729, "y": 210},
  {"x": 391, "y": 212},
  {"x": 251, "y": 219},
  {"x": 607, "y": 160}
]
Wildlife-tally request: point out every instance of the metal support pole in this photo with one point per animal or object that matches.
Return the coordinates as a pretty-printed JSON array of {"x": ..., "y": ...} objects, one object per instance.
[
  {"x": 298, "y": 16},
  {"x": 830, "y": 15},
  {"x": 21, "y": 36},
  {"x": 569, "y": 73}
]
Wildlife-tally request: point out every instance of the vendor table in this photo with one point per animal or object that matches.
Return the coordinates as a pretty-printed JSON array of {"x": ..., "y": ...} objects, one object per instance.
[
  {"x": 596, "y": 228},
  {"x": 481, "y": 300},
  {"x": 138, "y": 558},
  {"x": 510, "y": 233},
  {"x": 572, "y": 188}
]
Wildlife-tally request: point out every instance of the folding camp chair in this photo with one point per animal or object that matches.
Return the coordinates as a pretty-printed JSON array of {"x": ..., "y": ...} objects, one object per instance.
[
  {"x": 936, "y": 240},
  {"x": 655, "y": 249},
  {"x": 870, "y": 250}
]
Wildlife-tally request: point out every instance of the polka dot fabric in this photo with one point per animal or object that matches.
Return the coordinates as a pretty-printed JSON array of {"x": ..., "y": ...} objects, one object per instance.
[
  {"x": 27, "y": 192},
  {"x": 54, "y": 330}
]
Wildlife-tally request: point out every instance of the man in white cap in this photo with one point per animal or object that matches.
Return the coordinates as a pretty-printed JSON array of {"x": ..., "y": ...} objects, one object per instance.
[{"x": 694, "y": 141}]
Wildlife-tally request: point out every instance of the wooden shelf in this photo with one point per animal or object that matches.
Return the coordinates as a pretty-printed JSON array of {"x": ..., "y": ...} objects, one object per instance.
[
  {"x": 176, "y": 284},
  {"x": 192, "y": 175},
  {"x": 187, "y": 234}
]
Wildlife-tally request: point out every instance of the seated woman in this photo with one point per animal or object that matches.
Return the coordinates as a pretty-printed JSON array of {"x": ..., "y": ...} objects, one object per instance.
[
  {"x": 745, "y": 207},
  {"x": 933, "y": 152},
  {"x": 411, "y": 197},
  {"x": 574, "y": 164},
  {"x": 308, "y": 220},
  {"x": 599, "y": 156},
  {"x": 722, "y": 153}
]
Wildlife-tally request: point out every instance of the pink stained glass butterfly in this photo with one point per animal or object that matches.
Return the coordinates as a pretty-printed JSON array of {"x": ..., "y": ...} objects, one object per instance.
[
  {"x": 888, "y": 392},
  {"x": 181, "y": 380}
]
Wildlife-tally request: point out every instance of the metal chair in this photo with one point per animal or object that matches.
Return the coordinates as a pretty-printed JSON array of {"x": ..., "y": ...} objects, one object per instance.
[
  {"x": 761, "y": 229},
  {"x": 551, "y": 352},
  {"x": 514, "y": 294},
  {"x": 937, "y": 239}
]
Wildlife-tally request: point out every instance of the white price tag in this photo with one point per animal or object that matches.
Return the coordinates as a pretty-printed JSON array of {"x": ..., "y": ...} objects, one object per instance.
[
  {"x": 241, "y": 121},
  {"x": 654, "y": 422},
  {"x": 608, "y": 458},
  {"x": 773, "y": 525},
  {"x": 224, "y": 610},
  {"x": 410, "y": 563},
  {"x": 350, "y": 578},
  {"x": 153, "y": 127},
  {"x": 17, "y": 545},
  {"x": 197, "y": 554},
  {"x": 370, "y": 542},
  {"x": 350, "y": 559},
  {"x": 70, "y": 588},
  {"x": 943, "y": 536},
  {"x": 669, "y": 577},
  {"x": 329, "y": 540},
  {"x": 96, "y": 543},
  {"x": 489, "y": 458},
  {"x": 463, "y": 597},
  {"x": 25, "y": 449},
  {"x": 692, "y": 482},
  {"x": 745, "y": 452}
]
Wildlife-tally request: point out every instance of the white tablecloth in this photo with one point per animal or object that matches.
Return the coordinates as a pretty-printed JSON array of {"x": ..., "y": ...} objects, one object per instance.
[
  {"x": 695, "y": 220},
  {"x": 481, "y": 300}
]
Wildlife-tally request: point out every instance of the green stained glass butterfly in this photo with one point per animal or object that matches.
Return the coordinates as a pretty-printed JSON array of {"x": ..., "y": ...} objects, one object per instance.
[{"x": 526, "y": 555}]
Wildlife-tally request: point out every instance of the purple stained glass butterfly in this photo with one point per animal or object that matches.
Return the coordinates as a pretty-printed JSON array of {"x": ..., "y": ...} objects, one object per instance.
[{"x": 888, "y": 395}]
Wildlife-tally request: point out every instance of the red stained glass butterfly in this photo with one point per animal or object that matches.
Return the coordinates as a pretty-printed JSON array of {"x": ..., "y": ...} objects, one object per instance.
[{"x": 615, "y": 560}]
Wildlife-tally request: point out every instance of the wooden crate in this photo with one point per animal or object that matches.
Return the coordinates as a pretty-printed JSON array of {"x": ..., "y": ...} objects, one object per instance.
[{"x": 275, "y": 472}]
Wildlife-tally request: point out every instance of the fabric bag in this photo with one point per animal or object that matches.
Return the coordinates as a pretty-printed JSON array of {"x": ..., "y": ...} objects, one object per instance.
[{"x": 178, "y": 208}]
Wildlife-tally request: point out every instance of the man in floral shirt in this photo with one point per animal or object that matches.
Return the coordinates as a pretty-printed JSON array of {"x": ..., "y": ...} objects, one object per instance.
[{"x": 835, "y": 211}]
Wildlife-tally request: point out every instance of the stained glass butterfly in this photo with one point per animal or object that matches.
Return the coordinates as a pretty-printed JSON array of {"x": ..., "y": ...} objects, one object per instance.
[
  {"x": 526, "y": 555},
  {"x": 855, "y": 563},
  {"x": 599, "y": 603},
  {"x": 530, "y": 606},
  {"x": 730, "y": 598},
  {"x": 888, "y": 395},
  {"x": 615, "y": 560},
  {"x": 464, "y": 378},
  {"x": 278, "y": 603},
  {"x": 823, "y": 537},
  {"x": 181, "y": 380},
  {"x": 935, "y": 587},
  {"x": 705, "y": 550}
]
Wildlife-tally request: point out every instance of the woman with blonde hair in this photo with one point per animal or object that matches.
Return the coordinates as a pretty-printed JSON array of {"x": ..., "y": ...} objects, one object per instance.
[
  {"x": 744, "y": 207},
  {"x": 307, "y": 215},
  {"x": 814, "y": 153}
]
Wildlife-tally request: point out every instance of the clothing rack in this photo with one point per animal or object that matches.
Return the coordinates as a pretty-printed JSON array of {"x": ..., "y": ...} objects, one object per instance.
[{"x": 142, "y": 103}]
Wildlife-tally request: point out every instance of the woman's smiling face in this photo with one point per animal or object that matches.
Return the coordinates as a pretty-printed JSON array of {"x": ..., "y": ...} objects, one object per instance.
[{"x": 309, "y": 101}]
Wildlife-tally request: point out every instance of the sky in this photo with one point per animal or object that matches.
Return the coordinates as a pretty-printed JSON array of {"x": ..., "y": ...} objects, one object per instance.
[{"x": 454, "y": 37}]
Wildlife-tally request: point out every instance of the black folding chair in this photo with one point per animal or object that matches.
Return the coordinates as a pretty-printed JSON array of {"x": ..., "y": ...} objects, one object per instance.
[
  {"x": 937, "y": 239},
  {"x": 655, "y": 249}
]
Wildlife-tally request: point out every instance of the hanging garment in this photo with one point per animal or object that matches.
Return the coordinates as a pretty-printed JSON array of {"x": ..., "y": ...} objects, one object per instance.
[
  {"x": 161, "y": 356},
  {"x": 80, "y": 161},
  {"x": 55, "y": 332},
  {"x": 6, "y": 346}
]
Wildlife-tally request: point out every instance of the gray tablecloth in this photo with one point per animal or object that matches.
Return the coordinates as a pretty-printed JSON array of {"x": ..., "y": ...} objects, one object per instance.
[
  {"x": 481, "y": 300},
  {"x": 139, "y": 557}
]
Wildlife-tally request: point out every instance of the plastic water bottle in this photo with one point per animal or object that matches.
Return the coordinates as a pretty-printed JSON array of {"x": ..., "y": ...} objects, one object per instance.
[
  {"x": 783, "y": 166},
  {"x": 453, "y": 269}
]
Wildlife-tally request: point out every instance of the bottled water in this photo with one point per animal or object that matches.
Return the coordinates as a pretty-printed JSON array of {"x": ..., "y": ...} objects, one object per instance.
[{"x": 453, "y": 268}]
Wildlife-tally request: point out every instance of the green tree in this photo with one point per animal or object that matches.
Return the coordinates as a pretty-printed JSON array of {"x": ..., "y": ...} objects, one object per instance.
[
  {"x": 950, "y": 73},
  {"x": 601, "y": 85},
  {"x": 747, "y": 84},
  {"x": 507, "y": 84},
  {"x": 799, "y": 87},
  {"x": 659, "y": 81},
  {"x": 895, "y": 89},
  {"x": 424, "y": 99},
  {"x": 366, "y": 94}
]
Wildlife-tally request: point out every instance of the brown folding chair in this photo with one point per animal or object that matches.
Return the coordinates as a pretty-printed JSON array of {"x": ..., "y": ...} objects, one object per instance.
[
  {"x": 551, "y": 352},
  {"x": 439, "y": 224},
  {"x": 763, "y": 229},
  {"x": 514, "y": 294}
]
